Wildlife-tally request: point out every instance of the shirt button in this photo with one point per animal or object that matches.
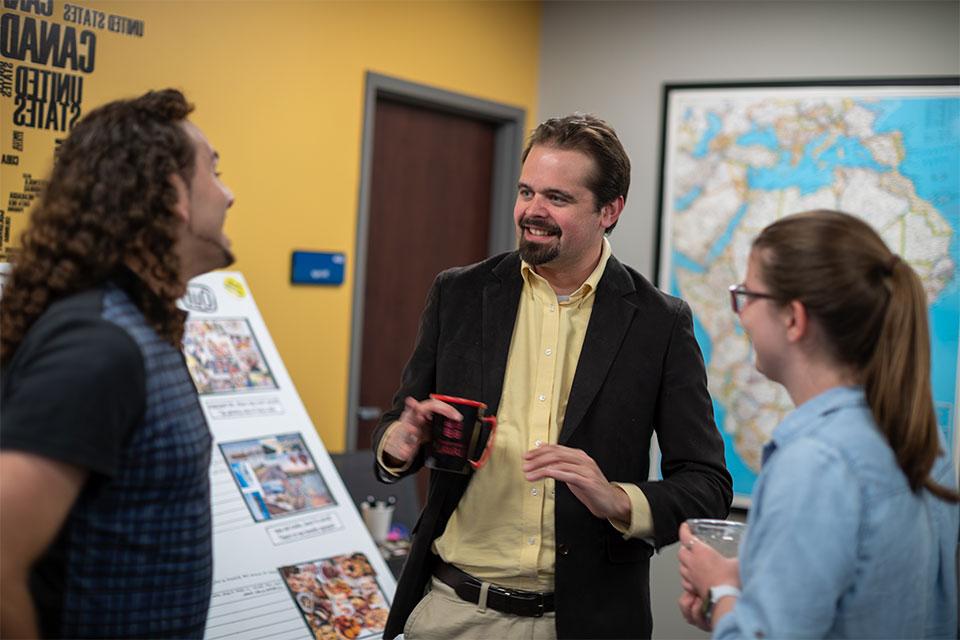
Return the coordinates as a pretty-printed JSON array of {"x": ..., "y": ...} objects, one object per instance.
[
  {"x": 532, "y": 540},
  {"x": 563, "y": 549},
  {"x": 548, "y": 351},
  {"x": 538, "y": 443},
  {"x": 541, "y": 397},
  {"x": 552, "y": 308},
  {"x": 534, "y": 492}
]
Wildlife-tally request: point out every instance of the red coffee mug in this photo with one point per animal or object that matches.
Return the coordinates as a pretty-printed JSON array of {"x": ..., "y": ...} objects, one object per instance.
[{"x": 459, "y": 445}]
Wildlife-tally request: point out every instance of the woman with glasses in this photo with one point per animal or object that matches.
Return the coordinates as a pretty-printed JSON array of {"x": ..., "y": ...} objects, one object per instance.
[{"x": 853, "y": 527}]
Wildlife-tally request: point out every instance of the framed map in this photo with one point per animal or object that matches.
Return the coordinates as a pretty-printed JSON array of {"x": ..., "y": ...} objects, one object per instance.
[{"x": 735, "y": 157}]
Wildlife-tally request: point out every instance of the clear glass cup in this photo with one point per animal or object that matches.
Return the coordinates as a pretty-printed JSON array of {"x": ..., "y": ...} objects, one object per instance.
[{"x": 722, "y": 535}]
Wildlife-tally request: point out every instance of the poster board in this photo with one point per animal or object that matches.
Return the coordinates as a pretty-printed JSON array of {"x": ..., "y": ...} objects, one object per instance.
[
  {"x": 737, "y": 156},
  {"x": 292, "y": 557}
]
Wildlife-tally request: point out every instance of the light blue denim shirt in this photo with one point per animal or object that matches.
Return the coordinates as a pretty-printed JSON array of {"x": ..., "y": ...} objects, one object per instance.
[{"x": 837, "y": 545}]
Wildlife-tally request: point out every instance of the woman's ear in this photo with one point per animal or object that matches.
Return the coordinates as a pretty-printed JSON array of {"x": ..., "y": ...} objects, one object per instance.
[{"x": 796, "y": 320}]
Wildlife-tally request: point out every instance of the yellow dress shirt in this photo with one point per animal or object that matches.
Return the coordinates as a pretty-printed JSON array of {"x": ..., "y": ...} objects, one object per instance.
[{"x": 502, "y": 530}]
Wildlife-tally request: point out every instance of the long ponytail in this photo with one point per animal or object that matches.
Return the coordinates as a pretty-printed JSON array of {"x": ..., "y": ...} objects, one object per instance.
[{"x": 897, "y": 380}]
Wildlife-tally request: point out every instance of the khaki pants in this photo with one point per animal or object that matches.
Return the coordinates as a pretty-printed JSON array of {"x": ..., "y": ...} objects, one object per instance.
[{"x": 442, "y": 615}]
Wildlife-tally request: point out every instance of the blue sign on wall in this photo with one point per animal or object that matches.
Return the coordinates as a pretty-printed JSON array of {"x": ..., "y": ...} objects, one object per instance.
[{"x": 315, "y": 267}]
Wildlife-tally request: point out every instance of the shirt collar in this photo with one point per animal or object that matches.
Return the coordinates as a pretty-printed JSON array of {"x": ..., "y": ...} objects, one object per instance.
[
  {"x": 805, "y": 417},
  {"x": 535, "y": 281}
]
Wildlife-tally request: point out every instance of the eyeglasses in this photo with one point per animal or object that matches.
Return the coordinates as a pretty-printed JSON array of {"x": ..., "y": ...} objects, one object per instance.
[{"x": 739, "y": 295}]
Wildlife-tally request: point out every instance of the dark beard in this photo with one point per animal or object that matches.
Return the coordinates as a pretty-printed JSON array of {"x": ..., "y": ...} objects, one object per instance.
[
  {"x": 226, "y": 255},
  {"x": 534, "y": 253}
]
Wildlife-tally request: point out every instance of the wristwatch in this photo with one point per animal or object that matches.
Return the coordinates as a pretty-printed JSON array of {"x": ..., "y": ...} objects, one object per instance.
[{"x": 713, "y": 597}]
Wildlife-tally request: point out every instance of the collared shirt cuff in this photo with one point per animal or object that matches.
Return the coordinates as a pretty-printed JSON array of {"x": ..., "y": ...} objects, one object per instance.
[
  {"x": 641, "y": 520},
  {"x": 394, "y": 471}
]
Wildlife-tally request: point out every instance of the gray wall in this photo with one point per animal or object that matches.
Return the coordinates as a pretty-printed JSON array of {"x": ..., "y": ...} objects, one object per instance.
[{"x": 612, "y": 58}]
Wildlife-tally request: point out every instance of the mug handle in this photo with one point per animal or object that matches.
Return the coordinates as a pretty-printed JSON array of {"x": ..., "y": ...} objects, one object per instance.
[{"x": 487, "y": 449}]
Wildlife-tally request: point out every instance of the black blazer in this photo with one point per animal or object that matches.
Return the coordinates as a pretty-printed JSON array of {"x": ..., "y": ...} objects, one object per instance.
[{"x": 640, "y": 371}]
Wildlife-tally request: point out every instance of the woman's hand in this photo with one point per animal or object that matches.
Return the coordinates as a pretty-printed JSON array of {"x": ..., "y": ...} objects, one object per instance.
[
  {"x": 691, "y": 608},
  {"x": 702, "y": 567}
]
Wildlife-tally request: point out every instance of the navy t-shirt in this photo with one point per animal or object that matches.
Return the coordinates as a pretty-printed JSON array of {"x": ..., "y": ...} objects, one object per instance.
[{"x": 94, "y": 386}]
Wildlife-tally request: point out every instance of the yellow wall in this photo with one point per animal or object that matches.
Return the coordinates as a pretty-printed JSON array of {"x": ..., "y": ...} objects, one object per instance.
[{"x": 279, "y": 89}]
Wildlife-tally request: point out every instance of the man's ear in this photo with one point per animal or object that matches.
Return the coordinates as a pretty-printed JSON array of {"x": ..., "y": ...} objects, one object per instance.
[
  {"x": 796, "y": 320},
  {"x": 610, "y": 212},
  {"x": 182, "y": 206}
]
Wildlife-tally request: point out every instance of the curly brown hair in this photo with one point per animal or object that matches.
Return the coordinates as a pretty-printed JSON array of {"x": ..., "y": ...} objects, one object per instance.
[{"x": 109, "y": 199}]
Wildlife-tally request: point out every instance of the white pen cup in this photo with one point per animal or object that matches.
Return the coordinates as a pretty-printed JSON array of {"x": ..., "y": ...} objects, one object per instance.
[{"x": 378, "y": 518}]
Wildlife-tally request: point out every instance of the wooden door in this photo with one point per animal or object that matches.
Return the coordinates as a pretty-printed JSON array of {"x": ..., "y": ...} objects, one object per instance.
[{"x": 430, "y": 198}]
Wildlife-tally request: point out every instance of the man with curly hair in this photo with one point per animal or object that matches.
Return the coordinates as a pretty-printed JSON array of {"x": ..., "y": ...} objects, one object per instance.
[{"x": 104, "y": 451}]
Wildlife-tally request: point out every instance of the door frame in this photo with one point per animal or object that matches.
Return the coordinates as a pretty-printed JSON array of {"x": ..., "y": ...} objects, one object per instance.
[{"x": 508, "y": 145}]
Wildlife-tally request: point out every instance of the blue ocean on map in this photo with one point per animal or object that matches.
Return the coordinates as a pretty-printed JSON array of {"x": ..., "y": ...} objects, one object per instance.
[
  {"x": 744, "y": 476},
  {"x": 683, "y": 202},
  {"x": 931, "y": 140},
  {"x": 718, "y": 247},
  {"x": 762, "y": 136},
  {"x": 814, "y": 170},
  {"x": 681, "y": 261},
  {"x": 714, "y": 125},
  {"x": 929, "y": 130}
]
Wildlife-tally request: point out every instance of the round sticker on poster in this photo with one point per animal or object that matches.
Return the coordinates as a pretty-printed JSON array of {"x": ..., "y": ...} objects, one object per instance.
[{"x": 234, "y": 287}]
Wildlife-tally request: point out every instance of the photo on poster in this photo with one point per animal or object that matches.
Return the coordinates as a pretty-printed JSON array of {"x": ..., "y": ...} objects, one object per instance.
[
  {"x": 339, "y": 597},
  {"x": 277, "y": 476},
  {"x": 223, "y": 356}
]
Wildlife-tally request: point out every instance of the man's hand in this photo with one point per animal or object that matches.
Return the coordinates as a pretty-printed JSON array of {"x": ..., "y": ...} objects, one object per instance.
[
  {"x": 404, "y": 437},
  {"x": 582, "y": 476}
]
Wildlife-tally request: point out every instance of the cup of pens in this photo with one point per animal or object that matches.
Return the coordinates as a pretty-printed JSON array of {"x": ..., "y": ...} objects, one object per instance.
[{"x": 377, "y": 515}]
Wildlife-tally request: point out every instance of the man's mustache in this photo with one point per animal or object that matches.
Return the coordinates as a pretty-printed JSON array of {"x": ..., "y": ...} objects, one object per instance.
[{"x": 539, "y": 223}]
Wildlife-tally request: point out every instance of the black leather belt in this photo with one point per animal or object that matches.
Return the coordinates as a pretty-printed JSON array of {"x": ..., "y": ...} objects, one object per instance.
[{"x": 530, "y": 604}]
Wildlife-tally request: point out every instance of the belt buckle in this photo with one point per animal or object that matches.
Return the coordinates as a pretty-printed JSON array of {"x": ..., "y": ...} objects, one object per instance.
[{"x": 528, "y": 597}]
